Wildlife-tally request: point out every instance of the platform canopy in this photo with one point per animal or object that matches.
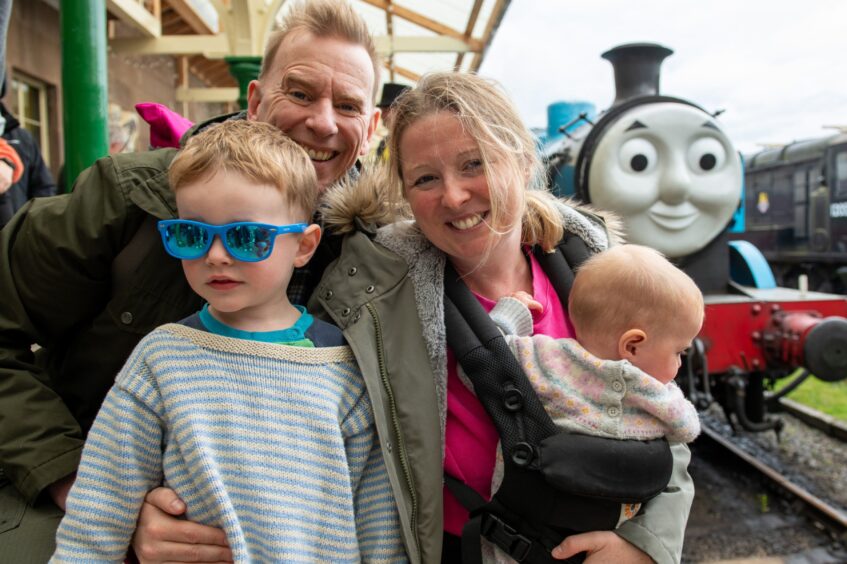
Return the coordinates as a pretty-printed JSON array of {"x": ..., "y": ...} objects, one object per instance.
[{"x": 414, "y": 36}]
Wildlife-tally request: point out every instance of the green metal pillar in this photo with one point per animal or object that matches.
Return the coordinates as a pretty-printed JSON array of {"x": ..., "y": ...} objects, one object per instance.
[
  {"x": 244, "y": 69},
  {"x": 84, "y": 84}
]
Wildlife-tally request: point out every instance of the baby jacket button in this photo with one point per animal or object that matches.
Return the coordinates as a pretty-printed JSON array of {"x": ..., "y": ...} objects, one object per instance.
[
  {"x": 617, "y": 385},
  {"x": 613, "y": 411}
]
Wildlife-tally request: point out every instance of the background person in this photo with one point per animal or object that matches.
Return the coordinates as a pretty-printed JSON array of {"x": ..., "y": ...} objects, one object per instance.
[
  {"x": 33, "y": 179},
  {"x": 466, "y": 168},
  {"x": 390, "y": 92}
]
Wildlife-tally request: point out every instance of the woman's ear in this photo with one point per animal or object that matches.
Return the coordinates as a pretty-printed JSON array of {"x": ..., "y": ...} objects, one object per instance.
[
  {"x": 309, "y": 240},
  {"x": 630, "y": 342}
]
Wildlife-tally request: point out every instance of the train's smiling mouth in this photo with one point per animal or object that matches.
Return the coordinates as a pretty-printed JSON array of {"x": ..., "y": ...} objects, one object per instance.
[{"x": 673, "y": 218}]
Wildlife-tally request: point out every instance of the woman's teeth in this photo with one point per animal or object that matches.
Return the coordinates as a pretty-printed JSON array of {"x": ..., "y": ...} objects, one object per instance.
[{"x": 467, "y": 222}]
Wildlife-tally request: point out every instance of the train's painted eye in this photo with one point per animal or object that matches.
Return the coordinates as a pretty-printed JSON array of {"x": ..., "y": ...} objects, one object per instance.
[
  {"x": 706, "y": 154},
  {"x": 638, "y": 155}
]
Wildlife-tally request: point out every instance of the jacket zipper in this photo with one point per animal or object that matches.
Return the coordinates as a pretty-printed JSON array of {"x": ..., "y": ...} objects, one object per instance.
[{"x": 404, "y": 464}]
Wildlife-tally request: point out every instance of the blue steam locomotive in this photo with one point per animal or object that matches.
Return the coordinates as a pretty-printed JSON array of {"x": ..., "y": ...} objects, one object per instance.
[{"x": 666, "y": 167}]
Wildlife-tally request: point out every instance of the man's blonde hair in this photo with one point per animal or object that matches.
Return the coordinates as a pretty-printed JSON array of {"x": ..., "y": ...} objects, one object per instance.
[
  {"x": 507, "y": 148},
  {"x": 256, "y": 150},
  {"x": 631, "y": 287},
  {"x": 324, "y": 18}
]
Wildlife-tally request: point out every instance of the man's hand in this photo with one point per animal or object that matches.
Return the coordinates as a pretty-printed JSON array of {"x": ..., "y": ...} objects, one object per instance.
[
  {"x": 602, "y": 547},
  {"x": 162, "y": 537},
  {"x": 59, "y": 489},
  {"x": 6, "y": 180}
]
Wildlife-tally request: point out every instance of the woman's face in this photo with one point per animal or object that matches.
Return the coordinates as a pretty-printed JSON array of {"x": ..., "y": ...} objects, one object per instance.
[{"x": 445, "y": 184}]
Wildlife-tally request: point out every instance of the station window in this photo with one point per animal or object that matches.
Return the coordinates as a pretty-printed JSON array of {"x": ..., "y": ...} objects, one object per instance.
[{"x": 31, "y": 97}]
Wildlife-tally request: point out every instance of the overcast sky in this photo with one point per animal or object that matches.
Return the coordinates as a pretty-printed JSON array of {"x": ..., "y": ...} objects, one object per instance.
[{"x": 778, "y": 67}]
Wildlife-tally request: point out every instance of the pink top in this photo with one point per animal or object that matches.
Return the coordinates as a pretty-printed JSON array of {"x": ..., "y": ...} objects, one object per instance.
[{"x": 471, "y": 438}]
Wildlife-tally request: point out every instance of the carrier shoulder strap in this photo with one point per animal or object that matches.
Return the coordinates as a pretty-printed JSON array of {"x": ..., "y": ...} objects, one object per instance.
[
  {"x": 129, "y": 259},
  {"x": 499, "y": 381}
]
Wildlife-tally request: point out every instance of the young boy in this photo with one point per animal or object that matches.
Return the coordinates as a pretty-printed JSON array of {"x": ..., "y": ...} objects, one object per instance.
[
  {"x": 252, "y": 410},
  {"x": 634, "y": 314}
]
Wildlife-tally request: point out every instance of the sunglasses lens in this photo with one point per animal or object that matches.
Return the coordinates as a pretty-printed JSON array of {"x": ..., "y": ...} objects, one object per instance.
[
  {"x": 249, "y": 242},
  {"x": 186, "y": 241}
]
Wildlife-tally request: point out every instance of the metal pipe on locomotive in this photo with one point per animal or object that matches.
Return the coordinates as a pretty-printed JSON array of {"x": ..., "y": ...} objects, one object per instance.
[{"x": 666, "y": 167}]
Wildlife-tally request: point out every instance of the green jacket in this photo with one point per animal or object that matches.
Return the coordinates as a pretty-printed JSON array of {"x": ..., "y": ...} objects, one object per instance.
[
  {"x": 57, "y": 291},
  {"x": 389, "y": 306}
]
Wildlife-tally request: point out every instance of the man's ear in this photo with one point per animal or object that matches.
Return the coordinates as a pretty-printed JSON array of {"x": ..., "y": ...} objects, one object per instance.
[
  {"x": 371, "y": 129},
  {"x": 630, "y": 342},
  {"x": 254, "y": 97},
  {"x": 309, "y": 240}
]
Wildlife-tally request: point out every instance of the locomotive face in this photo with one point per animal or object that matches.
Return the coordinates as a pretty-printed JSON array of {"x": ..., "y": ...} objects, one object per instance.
[{"x": 670, "y": 173}]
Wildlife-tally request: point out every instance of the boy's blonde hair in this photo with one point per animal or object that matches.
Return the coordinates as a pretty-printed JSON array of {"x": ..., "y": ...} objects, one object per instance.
[
  {"x": 324, "y": 18},
  {"x": 257, "y": 151},
  {"x": 508, "y": 149},
  {"x": 631, "y": 287}
]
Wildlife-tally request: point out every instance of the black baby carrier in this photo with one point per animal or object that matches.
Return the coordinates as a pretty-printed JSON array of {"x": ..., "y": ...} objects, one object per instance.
[{"x": 555, "y": 483}]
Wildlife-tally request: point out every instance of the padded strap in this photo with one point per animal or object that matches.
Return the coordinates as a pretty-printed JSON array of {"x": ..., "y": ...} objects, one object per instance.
[{"x": 499, "y": 381}]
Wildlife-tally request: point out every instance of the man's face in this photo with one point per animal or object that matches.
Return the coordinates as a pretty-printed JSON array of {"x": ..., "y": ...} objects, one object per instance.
[{"x": 319, "y": 91}]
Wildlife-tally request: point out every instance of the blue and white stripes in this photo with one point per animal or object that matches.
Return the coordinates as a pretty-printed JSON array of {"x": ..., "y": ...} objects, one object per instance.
[{"x": 275, "y": 444}]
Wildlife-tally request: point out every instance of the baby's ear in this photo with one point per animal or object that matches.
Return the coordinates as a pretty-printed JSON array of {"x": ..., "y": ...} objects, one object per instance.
[
  {"x": 630, "y": 342},
  {"x": 309, "y": 240}
]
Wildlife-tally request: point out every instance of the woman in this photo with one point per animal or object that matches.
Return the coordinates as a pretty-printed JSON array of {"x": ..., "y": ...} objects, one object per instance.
[{"x": 465, "y": 167}]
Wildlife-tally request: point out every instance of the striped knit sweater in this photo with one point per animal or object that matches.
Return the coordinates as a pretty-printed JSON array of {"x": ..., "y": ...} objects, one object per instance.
[{"x": 274, "y": 444}]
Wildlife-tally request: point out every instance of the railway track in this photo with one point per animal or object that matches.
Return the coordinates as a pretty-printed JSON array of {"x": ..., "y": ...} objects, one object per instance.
[
  {"x": 830, "y": 516},
  {"x": 767, "y": 498}
]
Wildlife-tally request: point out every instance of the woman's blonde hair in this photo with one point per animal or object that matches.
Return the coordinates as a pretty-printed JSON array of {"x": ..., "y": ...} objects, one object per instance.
[
  {"x": 507, "y": 148},
  {"x": 256, "y": 150}
]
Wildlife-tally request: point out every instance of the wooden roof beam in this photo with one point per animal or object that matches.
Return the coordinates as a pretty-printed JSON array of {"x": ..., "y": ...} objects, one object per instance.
[
  {"x": 477, "y": 5},
  {"x": 212, "y": 46},
  {"x": 406, "y": 73},
  {"x": 134, "y": 13},
  {"x": 190, "y": 16},
  {"x": 494, "y": 20},
  {"x": 425, "y": 22},
  {"x": 423, "y": 44}
]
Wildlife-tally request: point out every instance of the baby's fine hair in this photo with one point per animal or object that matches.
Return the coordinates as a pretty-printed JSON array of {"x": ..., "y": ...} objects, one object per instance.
[
  {"x": 628, "y": 287},
  {"x": 507, "y": 148},
  {"x": 324, "y": 19},
  {"x": 258, "y": 151}
]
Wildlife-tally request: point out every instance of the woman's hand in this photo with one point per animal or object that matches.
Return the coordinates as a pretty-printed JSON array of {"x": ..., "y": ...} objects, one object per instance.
[
  {"x": 161, "y": 536},
  {"x": 601, "y": 546}
]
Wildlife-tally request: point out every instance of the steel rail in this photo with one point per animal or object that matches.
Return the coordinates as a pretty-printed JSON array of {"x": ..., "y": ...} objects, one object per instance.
[{"x": 832, "y": 514}]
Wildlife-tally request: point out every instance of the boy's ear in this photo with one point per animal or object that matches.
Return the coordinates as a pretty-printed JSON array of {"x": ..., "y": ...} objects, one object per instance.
[
  {"x": 309, "y": 240},
  {"x": 630, "y": 342}
]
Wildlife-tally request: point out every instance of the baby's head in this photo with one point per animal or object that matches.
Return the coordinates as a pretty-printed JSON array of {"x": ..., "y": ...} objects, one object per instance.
[
  {"x": 630, "y": 302},
  {"x": 257, "y": 151}
]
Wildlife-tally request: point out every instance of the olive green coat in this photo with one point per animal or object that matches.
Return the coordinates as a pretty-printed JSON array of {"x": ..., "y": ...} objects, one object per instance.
[{"x": 57, "y": 291}]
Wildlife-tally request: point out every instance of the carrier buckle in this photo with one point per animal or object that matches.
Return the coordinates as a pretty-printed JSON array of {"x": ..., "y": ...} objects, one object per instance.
[{"x": 497, "y": 531}]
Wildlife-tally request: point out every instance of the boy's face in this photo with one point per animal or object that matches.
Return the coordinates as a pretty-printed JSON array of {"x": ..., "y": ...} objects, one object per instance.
[
  {"x": 246, "y": 295},
  {"x": 659, "y": 354}
]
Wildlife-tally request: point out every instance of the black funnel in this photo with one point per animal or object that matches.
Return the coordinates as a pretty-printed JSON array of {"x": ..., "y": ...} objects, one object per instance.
[{"x": 637, "y": 69}]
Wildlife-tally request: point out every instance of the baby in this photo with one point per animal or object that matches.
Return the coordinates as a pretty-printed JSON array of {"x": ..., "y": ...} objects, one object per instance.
[{"x": 634, "y": 315}]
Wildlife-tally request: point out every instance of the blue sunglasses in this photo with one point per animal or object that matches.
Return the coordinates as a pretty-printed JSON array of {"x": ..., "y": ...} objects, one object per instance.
[{"x": 244, "y": 240}]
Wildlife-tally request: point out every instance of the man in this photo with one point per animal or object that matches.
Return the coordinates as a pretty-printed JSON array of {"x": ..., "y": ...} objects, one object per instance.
[{"x": 80, "y": 278}]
